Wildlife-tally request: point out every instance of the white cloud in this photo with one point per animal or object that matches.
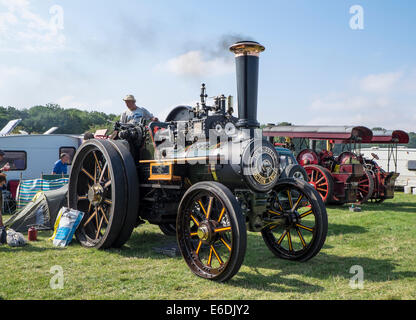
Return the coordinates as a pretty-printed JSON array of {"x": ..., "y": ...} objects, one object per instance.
[
  {"x": 377, "y": 100},
  {"x": 379, "y": 83},
  {"x": 194, "y": 63},
  {"x": 21, "y": 29}
]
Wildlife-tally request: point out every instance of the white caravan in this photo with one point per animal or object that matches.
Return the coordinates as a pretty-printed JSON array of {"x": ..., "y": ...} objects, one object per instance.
[
  {"x": 31, "y": 155},
  {"x": 406, "y": 163}
]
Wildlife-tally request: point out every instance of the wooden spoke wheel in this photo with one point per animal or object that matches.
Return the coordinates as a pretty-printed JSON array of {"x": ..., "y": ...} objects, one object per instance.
[
  {"x": 97, "y": 186},
  {"x": 211, "y": 231},
  {"x": 300, "y": 224},
  {"x": 365, "y": 187},
  {"x": 321, "y": 179}
]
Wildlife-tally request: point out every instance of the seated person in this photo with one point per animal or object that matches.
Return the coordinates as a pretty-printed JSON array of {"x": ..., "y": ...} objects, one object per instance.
[{"x": 61, "y": 166}]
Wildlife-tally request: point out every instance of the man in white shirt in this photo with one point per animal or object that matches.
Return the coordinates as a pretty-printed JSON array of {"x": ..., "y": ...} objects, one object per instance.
[{"x": 134, "y": 113}]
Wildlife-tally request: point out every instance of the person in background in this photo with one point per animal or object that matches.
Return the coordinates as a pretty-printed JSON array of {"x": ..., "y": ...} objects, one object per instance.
[
  {"x": 3, "y": 233},
  {"x": 4, "y": 166},
  {"x": 61, "y": 166}
]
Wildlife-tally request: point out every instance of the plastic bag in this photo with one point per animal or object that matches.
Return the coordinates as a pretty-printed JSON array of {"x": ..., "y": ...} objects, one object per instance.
[
  {"x": 65, "y": 225},
  {"x": 15, "y": 239}
]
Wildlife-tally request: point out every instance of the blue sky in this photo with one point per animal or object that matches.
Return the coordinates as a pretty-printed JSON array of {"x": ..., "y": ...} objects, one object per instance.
[{"x": 315, "y": 70}]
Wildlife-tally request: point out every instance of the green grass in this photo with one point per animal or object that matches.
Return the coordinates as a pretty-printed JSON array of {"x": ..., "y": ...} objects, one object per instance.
[{"x": 381, "y": 239}]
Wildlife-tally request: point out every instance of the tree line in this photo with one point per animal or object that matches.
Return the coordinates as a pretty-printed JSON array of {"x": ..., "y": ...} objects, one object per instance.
[{"x": 39, "y": 119}]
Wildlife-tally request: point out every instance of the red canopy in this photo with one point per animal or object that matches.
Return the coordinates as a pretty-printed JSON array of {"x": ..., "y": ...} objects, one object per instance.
[
  {"x": 340, "y": 134},
  {"x": 389, "y": 136}
]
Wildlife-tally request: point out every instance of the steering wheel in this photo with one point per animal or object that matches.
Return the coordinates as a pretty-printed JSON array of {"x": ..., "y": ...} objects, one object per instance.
[{"x": 375, "y": 156}]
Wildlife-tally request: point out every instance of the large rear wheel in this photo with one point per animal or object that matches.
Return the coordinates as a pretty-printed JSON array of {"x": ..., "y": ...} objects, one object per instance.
[
  {"x": 300, "y": 221},
  {"x": 133, "y": 195},
  {"x": 211, "y": 231},
  {"x": 97, "y": 187}
]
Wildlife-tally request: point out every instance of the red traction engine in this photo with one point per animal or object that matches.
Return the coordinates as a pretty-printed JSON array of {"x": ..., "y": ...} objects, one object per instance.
[
  {"x": 336, "y": 181},
  {"x": 378, "y": 184}
]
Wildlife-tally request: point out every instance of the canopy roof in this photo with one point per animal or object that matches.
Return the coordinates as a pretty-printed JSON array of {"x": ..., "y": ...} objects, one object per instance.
[
  {"x": 340, "y": 134},
  {"x": 390, "y": 136}
]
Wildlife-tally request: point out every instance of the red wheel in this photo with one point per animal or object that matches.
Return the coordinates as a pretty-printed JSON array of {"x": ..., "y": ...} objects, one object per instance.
[
  {"x": 321, "y": 180},
  {"x": 365, "y": 187}
]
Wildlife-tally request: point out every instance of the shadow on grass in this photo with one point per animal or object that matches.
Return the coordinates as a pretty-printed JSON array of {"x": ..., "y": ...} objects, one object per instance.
[
  {"x": 384, "y": 206},
  {"x": 391, "y": 206},
  {"x": 336, "y": 229},
  {"x": 143, "y": 244},
  {"x": 324, "y": 266},
  {"x": 272, "y": 283}
]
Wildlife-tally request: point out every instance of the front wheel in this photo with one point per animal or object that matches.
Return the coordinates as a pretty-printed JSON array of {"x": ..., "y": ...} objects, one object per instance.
[
  {"x": 320, "y": 178},
  {"x": 299, "y": 221},
  {"x": 211, "y": 231}
]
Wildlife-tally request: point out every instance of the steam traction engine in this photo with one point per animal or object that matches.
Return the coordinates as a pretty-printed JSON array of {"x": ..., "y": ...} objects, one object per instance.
[
  {"x": 378, "y": 184},
  {"x": 336, "y": 180},
  {"x": 205, "y": 176}
]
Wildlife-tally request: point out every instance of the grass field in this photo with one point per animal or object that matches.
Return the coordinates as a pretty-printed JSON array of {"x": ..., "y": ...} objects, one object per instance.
[{"x": 381, "y": 239}]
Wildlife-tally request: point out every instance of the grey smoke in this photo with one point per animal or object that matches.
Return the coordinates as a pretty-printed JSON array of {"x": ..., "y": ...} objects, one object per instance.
[{"x": 218, "y": 48}]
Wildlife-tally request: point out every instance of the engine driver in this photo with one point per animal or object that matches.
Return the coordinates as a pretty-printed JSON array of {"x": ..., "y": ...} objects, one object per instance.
[{"x": 134, "y": 113}]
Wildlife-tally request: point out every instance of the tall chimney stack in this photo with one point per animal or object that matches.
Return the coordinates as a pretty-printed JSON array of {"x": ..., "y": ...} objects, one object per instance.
[{"x": 247, "y": 62}]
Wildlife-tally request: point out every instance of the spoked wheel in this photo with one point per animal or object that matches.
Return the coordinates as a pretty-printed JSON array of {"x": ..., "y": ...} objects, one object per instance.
[
  {"x": 365, "y": 187},
  {"x": 168, "y": 229},
  {"x": 321, "y": 180},
  {"x": 211, "y": 231},
  {"x": 299, "y": 222},
  {"x": 97, "y": 187}
]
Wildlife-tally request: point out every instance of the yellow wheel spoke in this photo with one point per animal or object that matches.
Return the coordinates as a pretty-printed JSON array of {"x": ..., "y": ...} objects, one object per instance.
[
  {"x": 289, "y": 240},
  {"x": 221, "y": 215},
  {"x": 281, "y": 238},
  {"x": 88, "y": 174},
  {"x": 225, "y": 243},
  {"x": 90, "y": 218},
  {"x": 202, "y": 207},
  {"x": 104, "y": 215},
  {"x": 307, "y": 213},
  {"x": 193, "y": 234},
  {"x": 211, "y": 200},
  {"x": 301, "y": 237},
  {"x": 99, "y": 228},
  {"x": 96, "y": 161},
  {"x": 275, "y": 212},
  {"x": 199, "y": 247},
  {"x": 297, "y": 203},
  {"x": 217, "y": 256},
  {"x": 289, "y": 198},
  {"x": 210, "y": 257},
  {"x": 222, "y": 229},
  {"x": 108, "y": 201},
  {"x": 196, "y": 221},
  {"x": 304, "y": 227}
]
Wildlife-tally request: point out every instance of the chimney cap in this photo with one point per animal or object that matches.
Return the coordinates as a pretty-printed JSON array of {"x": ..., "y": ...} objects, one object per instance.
[{"x": 247, "y": 48}]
